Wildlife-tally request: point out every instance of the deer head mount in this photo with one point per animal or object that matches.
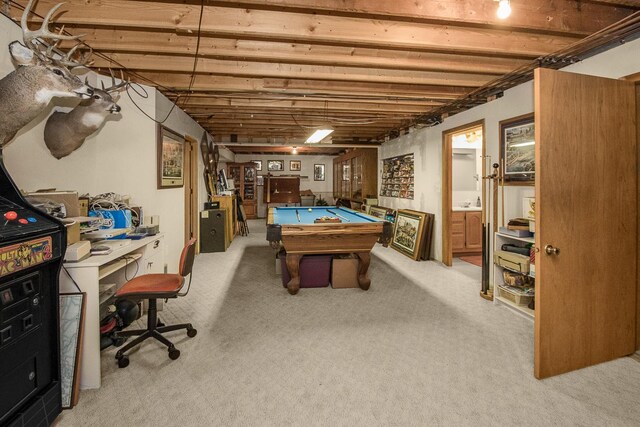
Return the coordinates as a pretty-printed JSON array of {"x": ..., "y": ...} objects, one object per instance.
[
  {"x": 66, "y": 132},
  {"x": 40, "y": 76}
]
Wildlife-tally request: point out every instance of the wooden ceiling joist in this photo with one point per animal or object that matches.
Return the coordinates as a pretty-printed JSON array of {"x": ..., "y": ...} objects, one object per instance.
[
  {"x": 214, "y": 67},
  {"x": 268, "y": 70},
  {"x": 269, "y": 25},
  {"x": 169, "y": 43}
]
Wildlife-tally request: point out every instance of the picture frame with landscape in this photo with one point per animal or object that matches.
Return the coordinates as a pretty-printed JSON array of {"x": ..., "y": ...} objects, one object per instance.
[
  {"x": 378, "y": 212},
  {"x": 408, "y": 233},
  {"x": 517, "y": 150}
]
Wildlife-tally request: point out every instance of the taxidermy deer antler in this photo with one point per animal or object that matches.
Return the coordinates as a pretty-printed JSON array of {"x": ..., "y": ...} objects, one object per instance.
[
  {"x": 66, "y": 132},
  {"x": 40, "y": 76}
]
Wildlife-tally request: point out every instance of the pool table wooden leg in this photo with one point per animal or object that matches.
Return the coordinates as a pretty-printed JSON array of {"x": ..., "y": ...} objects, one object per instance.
[
  {"x": 293, "y": 265},
  {"x": 363, "y": 267}
]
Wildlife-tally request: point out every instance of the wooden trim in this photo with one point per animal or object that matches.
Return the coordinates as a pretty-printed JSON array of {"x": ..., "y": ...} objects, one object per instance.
[
  {"x": 191, "y": 223},
  {"x": 637, "y": 80},
  {"x": 447, "y": 196}
]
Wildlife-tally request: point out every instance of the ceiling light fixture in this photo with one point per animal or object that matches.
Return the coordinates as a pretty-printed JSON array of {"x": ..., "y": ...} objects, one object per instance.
[
  {"x": 504, "y": 9},
  {"x": 319, "y": 135},
  {"x": 294, "y": 150}
]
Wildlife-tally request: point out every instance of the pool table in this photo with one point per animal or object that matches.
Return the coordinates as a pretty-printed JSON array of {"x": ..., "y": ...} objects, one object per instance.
[{"x": 295, "y": 228}]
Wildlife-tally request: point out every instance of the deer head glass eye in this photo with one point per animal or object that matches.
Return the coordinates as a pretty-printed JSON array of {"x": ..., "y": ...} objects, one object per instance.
[
  {"x": 96, "y": 96},
  {"x": 57, "y": 72}
]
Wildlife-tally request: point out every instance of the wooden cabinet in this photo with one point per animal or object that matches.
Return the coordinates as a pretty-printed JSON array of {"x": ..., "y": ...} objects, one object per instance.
[
  {"x": 228, "y": 203},
  {"x": 355, "y": 175},
  {"x": 458, "y": 230},
  {"x": 244, "y": 179},
  {"x": 473, "y": 230},
  {"x": 466, "y": 232}
]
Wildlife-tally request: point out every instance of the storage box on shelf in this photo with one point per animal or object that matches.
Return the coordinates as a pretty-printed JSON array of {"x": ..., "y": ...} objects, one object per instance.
[{"x": 509, "y": 296}]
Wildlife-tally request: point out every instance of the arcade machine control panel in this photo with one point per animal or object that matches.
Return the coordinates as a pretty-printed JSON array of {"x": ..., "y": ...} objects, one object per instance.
[
  {"x": 17, "y": 221},
  {"x": 31, "y": 248}
]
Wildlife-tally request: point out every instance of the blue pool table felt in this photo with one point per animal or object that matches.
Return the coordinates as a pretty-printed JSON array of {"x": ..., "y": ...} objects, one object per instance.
[{"x": 288, "y": 215}]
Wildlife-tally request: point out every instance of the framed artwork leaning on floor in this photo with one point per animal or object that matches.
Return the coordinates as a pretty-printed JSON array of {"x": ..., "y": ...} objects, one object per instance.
[{"x": 407, "y": 233}]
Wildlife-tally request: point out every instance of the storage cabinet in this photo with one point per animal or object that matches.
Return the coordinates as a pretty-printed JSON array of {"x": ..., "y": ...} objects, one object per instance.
[
  {"x": 355, "y": 175},
  {"x": 507, "y": 297},
  {"x": 228, "y": 203},
  {"x": 466, "y": 232},
  {"x": 244, "y": 180}
]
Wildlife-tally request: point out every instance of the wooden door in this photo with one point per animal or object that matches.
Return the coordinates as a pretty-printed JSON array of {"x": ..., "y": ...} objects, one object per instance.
[
  {"x": 473, "y": 230},
  {"x": 586, "y": 210}
]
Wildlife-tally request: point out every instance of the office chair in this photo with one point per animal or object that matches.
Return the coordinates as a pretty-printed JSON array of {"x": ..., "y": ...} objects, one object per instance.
[{"x": 153, "y": 287}]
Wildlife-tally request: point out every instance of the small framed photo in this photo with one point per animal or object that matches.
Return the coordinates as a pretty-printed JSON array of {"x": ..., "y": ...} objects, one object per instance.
[
  {"x": 407, "y": 233},
  {"x": 275, "y": 165},
  {"x": 517, "y": 150},
  {"x": 378, "y": 212},
  {"x": 260, "y": 180},
  {"x": 318, "y": 172},
  {"x": 295, "y": 165},
  {"x": 170, "y": 158},
  {"x": 258, "y": 164}
]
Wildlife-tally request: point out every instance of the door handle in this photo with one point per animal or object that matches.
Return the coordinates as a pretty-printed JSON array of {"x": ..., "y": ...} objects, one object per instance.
[{"x": 550, "y": 250}]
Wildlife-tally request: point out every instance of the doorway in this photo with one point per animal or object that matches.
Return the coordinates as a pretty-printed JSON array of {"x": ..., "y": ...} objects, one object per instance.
[
  {"x": 463, "y": 209},
  {"x": 190, "y": 188}
]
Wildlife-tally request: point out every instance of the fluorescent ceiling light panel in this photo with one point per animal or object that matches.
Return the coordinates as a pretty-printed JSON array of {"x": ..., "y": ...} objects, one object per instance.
[{"x": 318, "y": 136}]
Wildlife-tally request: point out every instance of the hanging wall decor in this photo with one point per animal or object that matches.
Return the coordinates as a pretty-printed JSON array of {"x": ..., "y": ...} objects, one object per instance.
[
  {"x": 517, "y": 150},
  {"x": 170, "y": 158},
  {"x": 398, "y": 177}
]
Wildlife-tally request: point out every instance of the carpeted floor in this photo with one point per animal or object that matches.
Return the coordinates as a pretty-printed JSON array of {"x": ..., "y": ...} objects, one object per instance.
[{"x": 419, "y": 348}]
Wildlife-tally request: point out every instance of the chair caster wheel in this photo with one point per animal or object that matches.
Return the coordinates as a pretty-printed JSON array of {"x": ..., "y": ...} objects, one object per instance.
[
  {"x": 174, "y": 353},
  {"x": 123, "y": 362},
  {"x": 192, "y": 332}
]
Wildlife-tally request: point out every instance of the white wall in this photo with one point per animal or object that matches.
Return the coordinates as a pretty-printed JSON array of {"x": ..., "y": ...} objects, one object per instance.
[
  {"x": 427, "y": 143},
  {"x": 120, "y": 157}
]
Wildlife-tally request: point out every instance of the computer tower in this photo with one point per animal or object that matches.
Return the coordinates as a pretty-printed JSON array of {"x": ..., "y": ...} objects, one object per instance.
[{"x": 212, "y": 233}]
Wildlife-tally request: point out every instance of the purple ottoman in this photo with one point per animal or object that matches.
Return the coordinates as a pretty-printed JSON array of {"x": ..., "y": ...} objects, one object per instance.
[{"x": 315, "y": 271}]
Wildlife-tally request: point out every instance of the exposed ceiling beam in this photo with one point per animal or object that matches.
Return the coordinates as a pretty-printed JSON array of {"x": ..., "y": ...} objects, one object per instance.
[
  {"x": 302, "y": 27},
  {"x": 214, "y": 67},
  {"x": 109, "y": 40},
  {"x": 558, "y": 16}
]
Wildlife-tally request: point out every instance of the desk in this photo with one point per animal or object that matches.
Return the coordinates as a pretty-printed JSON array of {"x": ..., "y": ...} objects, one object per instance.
[
  {"x": 108, "y": 269},
  {"x": 296, "y": 230}
]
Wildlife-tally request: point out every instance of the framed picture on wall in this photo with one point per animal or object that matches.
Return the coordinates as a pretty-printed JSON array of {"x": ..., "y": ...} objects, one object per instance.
[
  {"x": 517, "y": 150},
  {"x": 318, "y": 172},
  {"x": 407, "y": 233},
  {"x": 170, "y": 153},
  {"x": 275, "y": 165},
  {"x": 258, "y": 164},
  {"x": 295, "y": 165}
]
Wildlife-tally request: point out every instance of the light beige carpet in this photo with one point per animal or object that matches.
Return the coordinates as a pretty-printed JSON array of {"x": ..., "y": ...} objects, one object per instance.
[{"x": 419, "y": 348}]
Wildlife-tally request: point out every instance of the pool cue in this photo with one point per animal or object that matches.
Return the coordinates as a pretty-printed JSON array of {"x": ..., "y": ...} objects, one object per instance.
[
  {"x": 338, "y": 215},
  {"x": 298, "y": 215},
  {"x": 502, "y": 169},
  {"x": 495, "y": 180}
]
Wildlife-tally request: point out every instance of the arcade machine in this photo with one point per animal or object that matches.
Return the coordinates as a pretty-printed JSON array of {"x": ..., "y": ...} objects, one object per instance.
[{"x": 32, "y": 246}]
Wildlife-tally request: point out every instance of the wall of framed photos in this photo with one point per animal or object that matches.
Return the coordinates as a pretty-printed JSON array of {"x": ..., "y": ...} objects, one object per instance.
[{"x": 398, "y": 177}]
